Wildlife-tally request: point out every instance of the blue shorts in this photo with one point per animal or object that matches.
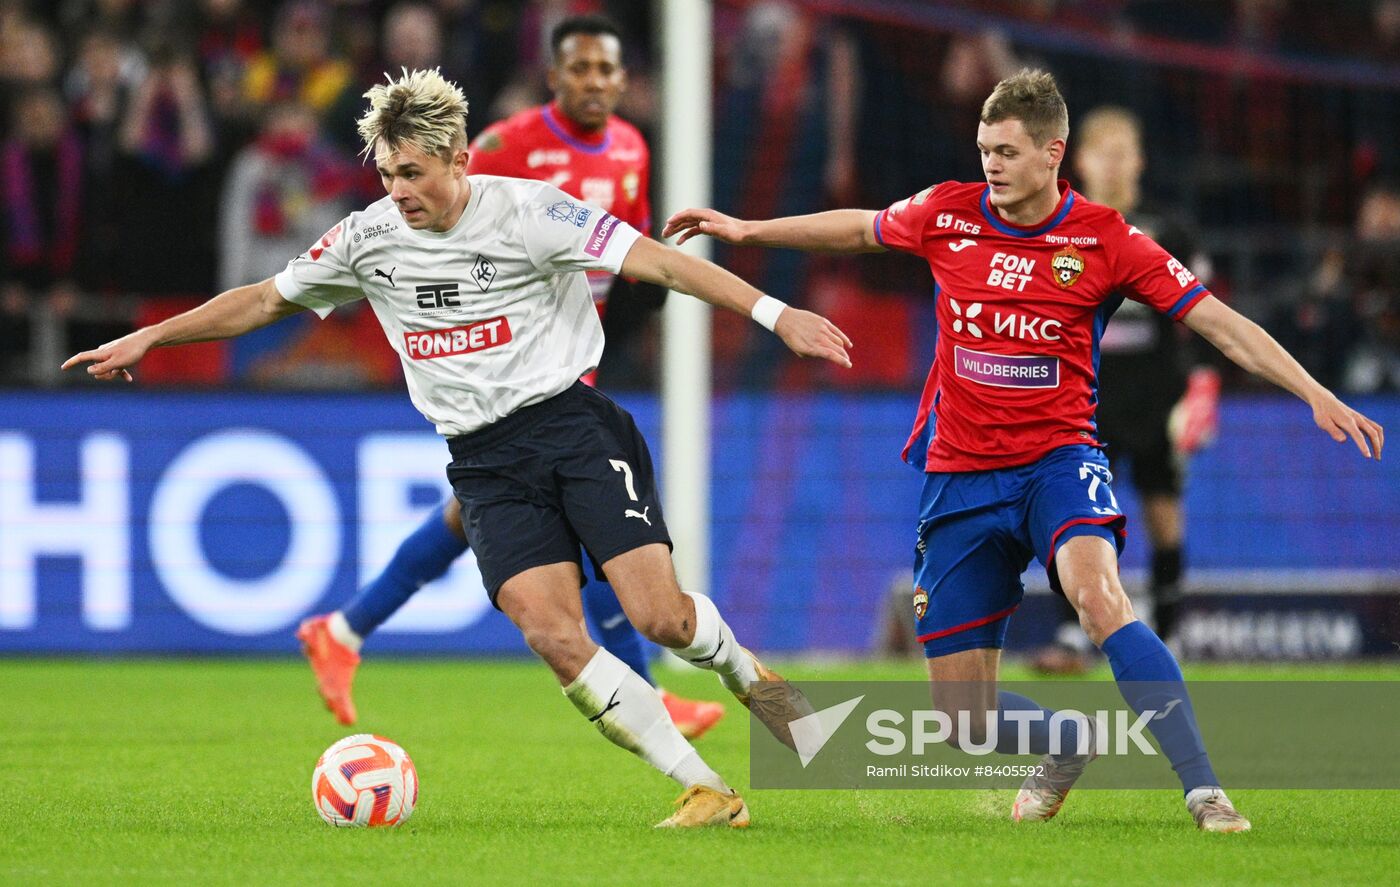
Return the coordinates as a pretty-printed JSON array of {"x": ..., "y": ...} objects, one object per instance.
[{"x": 978, "y": 531}]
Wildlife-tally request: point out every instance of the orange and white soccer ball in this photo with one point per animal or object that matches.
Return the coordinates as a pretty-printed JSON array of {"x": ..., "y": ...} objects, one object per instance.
[{"x": 364, "y": 781}]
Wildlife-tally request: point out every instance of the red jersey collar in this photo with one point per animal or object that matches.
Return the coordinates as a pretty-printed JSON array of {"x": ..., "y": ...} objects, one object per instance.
[
  {"x": 574, "y": 135},
  {"x": 1057, "y": 216}
]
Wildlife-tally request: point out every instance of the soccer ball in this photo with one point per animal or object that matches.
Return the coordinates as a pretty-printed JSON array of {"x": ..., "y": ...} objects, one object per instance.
[{"x": 364, "y": 780}]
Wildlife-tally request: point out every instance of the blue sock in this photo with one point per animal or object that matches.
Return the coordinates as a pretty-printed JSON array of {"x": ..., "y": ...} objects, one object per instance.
[
  {"x": 1149, "y": 678},
  {"x": 1038, "y": 731},
  {"x": 615, "y": 633},
  {"x": 422, "y": 557}
]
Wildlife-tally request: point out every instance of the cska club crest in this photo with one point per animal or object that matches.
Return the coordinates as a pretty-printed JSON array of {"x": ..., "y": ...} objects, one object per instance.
[
  {"x": 1066, "y": 266},
  {"x": 920, "y": 602},
  {"x": 631, "y": 183}
]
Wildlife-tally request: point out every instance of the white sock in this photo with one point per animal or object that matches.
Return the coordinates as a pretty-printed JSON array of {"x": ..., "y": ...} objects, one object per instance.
[
  {"x": 1198, "y": 795},
  {"x": 342, "y": 632},
  {"x": 627, "y": 711},
  {"x": 714, "y": 648}
]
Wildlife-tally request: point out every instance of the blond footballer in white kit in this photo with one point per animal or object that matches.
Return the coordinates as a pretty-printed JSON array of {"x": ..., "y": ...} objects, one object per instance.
[{"x": 478, "y": 282}]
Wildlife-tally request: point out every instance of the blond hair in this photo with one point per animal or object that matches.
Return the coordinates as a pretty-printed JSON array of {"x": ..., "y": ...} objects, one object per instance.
[
  {"x": 421, "y": 110},
  {"x": 1032, "y": 97}
]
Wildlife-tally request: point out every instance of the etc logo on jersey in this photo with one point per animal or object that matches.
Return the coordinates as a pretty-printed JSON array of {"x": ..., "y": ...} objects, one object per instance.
[{"x": 478, "y": 336}]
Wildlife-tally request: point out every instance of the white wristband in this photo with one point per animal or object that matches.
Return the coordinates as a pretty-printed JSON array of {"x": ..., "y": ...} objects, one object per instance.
[{"x": 766, "y": 310}]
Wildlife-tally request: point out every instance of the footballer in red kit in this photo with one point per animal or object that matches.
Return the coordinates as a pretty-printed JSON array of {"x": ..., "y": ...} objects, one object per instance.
[
  {"x": 607, "y": 165},
  {"x": 1026, "y": 274},
  {"x": 1020, "y": 313}
]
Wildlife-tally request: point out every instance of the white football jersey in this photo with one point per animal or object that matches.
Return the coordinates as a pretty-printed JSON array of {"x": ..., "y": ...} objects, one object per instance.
[{"x": 488, "y": 317}]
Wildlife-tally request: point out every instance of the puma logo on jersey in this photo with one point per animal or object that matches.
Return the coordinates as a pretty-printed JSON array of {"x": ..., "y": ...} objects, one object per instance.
[
  {"x": 641, "y": 515},
  {"x": 389, "y": 277},
  {"x": 961, "y": 245}
]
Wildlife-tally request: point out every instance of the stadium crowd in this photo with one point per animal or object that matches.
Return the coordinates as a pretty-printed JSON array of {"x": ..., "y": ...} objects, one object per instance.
[{"x": 155, "y": 152}]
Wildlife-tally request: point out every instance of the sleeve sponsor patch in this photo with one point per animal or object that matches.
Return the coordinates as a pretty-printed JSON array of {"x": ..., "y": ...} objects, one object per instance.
[
  {"x": 602, "y": 233},
  {"x": 570, "y": 212}
]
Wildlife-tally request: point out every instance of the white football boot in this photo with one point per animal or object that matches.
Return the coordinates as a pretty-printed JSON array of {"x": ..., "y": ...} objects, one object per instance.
[
  {"x": 1213, "y": 811},
  {"x": 1043, "y": 793}
]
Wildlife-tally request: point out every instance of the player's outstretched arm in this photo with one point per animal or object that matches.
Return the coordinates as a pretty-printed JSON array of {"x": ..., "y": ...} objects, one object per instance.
[
  {"x": 228, "y": 314},
  {"x": 807, "y": 334},
  {"x": 1247, "y": 344},
  {"x": 835, "y": 231}
]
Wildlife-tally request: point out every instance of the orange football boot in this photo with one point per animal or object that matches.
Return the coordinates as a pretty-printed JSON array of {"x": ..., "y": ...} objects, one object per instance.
[
  {"x": 693, "y": 717},
  {"x": 334, "y": 665}
]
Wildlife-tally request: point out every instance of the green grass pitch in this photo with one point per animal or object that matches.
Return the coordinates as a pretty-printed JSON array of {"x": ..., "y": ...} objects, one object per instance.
[{"x": 198, "y": 772}]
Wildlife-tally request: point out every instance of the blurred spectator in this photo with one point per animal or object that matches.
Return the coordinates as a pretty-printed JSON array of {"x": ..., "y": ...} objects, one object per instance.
[
  {"x": 230, "y": 38},
  {"x": 163, "y": 181},
  {"x": 1341, "y": 323},
  {"x": 29, "y": 57},
  {"x": 284, "y": 190},
  {"x": 300, "y": 68},
  {"x": 1378, "y": 111},
  {"x": 357, "y": 40},
  {"x": 104, "y": 75},
  {"x": 479, "y": 39},
  {"x": 99, "y": 88},
  {"x": 41, "y": 177},
  {"x": 412, "y": 38},
  {"x": 121, "y": 17},
  {"x": 1374, "y": 277},
  {"x": 810, "y": 101}
]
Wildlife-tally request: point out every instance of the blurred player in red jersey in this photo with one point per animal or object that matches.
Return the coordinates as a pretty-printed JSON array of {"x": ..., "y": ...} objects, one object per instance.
[
  {"x": 577, "y": 144},
  {"x": 1026, "y": 274},
  {"x": 1155, "y": 407}
]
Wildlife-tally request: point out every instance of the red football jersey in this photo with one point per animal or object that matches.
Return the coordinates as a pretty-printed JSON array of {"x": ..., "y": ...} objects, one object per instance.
[
  {"x": 611, "y": 169},
  {"x": 1020, "y": 311}
]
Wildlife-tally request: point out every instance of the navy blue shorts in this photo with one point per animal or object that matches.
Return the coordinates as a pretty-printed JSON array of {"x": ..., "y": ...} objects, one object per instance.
[
  {"x": 978, "y": 531},
  {"x": 569, "y": 471}
]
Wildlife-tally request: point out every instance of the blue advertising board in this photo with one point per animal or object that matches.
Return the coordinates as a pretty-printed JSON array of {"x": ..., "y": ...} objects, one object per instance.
[{"x": 137, "y": 521}]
